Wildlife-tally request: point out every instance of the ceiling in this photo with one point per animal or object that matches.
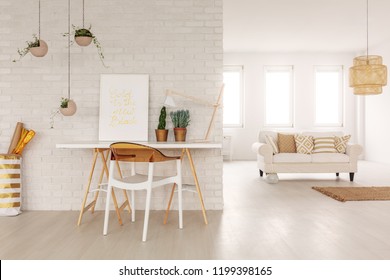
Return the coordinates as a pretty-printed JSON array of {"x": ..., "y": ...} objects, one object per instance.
[{"x": 304, "y": 25}]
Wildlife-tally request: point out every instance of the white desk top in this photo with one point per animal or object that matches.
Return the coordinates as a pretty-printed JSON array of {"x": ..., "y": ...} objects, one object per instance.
[{"x": 157, "y": 145}]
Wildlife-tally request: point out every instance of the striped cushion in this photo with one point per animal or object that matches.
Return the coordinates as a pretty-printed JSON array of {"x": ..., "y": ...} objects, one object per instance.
[
  {"x": 286, "y": 143},
  {"x": 341, "y": 143},
  {"x": 324, "y": 145},
  {"x": 304, "y": 143},
  {"x": 270, "y": 141}
]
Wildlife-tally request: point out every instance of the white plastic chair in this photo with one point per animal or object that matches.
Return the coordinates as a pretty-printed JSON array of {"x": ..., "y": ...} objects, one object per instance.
[{"x": 131, "y": 152}]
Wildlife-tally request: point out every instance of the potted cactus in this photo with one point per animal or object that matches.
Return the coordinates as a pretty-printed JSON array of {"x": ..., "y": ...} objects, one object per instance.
[
  {"x": 180, "y": 120},
  {"x": 161, "y": 132}
]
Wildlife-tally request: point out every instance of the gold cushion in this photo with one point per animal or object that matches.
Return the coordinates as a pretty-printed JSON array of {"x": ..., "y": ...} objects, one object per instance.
[{"x": 286, "y": 143}]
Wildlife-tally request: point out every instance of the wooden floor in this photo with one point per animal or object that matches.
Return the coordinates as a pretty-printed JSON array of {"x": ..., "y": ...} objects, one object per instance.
[{"x": 287, "y": 220}]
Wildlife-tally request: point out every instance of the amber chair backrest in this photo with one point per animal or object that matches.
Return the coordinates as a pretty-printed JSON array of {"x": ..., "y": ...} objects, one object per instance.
[{"x": 124, "y": 151}]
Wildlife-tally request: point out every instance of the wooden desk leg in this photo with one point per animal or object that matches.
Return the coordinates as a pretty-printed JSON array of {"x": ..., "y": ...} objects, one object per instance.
[
  {"x": 102, "y": 172},
  {"x": 172, "y": 192},
  {"x": 83, "y": 208},
  {"x": 193, "y": 170},
  {"x": 197, "y": 184}
]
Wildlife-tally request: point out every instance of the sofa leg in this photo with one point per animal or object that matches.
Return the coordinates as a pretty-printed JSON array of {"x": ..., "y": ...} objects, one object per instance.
[
  {"x": 337, "y": 174},
  {"x": 351, "y": 176},
  {"x": 261, "y": 172}
]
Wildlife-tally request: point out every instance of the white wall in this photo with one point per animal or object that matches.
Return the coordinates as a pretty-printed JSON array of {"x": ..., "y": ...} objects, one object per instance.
[
  {"x": 377, "y": 116},
  {"x": 303, "y": 64},
  {"x": 178, "y": 43}
]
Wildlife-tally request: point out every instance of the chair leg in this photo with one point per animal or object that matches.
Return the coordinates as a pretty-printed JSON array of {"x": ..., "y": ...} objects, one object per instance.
[
  {"x": 107, "y": 211},
  {"x": 261, "y": 172},
  {"x": 180, "y": 200},
  {"x": 146, "y": 220},
  {"x": 351, "y": 175},
  {"x": 133, "y": 205}
]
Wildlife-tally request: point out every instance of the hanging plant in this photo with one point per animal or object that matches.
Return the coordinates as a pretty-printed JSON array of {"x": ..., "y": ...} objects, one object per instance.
[
  {"x": 68, "y": 107},
  {"x": 83, "y": 37},
  {"x": 36, "y": 47}
]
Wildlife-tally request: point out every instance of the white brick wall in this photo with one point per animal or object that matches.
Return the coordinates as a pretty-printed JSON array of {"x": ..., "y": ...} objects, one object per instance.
[{"x": 177, "y": 42}]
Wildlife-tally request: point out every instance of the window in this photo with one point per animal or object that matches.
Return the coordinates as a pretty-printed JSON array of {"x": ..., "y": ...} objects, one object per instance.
[
  {"x": 278, "y": 95},
  {"x": 233, "y": 96},
  {"x": 329, "y": 95}
]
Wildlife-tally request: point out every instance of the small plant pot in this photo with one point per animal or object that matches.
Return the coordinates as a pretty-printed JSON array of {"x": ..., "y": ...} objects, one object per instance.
[
  {"x": 83, "y": 41},
  {"x": 70, "y": 110},
  {"x": 41, "y": 50},
  {"x": 161, "y": 135},
  {"x": 180, "y": 134}
]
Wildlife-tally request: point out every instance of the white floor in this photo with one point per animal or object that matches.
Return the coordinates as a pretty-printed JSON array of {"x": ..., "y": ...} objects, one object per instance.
[{"x": 287, "y": 220}]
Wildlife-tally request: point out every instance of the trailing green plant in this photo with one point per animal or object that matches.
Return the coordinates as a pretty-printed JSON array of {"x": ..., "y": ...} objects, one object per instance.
[
  {"x": 162, "y": 119},
  {"x": 86, "y": 32},
  {"x": 64, "y": 102},
  {"x": 30, "y": 44},
  {"x": 180, "y": 118}
]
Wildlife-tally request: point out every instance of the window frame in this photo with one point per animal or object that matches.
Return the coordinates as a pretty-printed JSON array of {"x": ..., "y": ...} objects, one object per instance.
[
  {"x": 281, "y": 68},
  {"x": 240, "y": 69},
  {"x": 340, "y": 70}
]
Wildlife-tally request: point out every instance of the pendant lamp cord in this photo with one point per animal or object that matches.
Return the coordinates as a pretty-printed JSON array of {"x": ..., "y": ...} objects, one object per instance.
[
  {"x": 39, "y": 19},
  {"x": 69, "y": 49}
]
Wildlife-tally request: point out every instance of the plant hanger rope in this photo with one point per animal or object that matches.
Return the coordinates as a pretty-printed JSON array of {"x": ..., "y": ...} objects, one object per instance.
[
  {"x": 68, "y": 49},
  {"x": 39, "y": 19},
  {"x": 83, "y": 14}
]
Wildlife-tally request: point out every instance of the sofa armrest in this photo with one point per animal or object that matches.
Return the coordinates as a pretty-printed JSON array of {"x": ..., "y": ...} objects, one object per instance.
[
  {"x": 264, "y": 150},
  {"x": 354, "y": 150}
]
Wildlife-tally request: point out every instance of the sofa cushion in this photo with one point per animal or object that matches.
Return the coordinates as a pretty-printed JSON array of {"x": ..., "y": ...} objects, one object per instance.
[
  {"x": 324, "y": 145},
  {"x": 341, "y": 143},
  {"x": 286, "y": 143},
  {"x": 329, "y": 157},
  {"x": 304, "y": 143},
  {"x": 291, "y": 158}
]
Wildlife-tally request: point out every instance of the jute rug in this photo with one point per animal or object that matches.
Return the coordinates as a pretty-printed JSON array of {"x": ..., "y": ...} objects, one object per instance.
[{"x": 355, "y": 193}]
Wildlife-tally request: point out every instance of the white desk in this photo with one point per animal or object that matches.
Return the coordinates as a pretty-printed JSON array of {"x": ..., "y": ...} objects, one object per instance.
[{"x": 102, "y": 149}]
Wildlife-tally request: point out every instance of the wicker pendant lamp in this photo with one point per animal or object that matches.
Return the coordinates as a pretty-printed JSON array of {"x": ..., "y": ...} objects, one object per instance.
[{"x": 368, "y": 75}]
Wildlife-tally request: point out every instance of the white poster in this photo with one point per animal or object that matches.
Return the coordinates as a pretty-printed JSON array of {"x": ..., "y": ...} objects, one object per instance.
[{"x": 124, "y": 103}]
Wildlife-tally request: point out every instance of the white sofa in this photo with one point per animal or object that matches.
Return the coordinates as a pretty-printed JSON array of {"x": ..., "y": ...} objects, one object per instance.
[{"x": 271, "y": 163}]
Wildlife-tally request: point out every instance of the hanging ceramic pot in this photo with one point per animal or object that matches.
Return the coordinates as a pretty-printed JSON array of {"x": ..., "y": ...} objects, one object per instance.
[
  {"x": 83, "y": 41},
  {"x": 70, "y": 110},
  {"x": 41, "y": 50}
]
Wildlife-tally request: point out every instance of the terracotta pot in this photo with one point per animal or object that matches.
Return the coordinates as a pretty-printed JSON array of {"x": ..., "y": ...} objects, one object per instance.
[
  {"x": 71, "y": 110},
  {"x": 41, "y": 50},
  {"x": 161, "y": 135},
  {"x": 180, "y": 134},
  {"x": 83, "y": 40}
]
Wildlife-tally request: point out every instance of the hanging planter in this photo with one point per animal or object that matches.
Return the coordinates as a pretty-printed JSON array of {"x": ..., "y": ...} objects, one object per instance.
[
  {"x": 40, "y": 50},
  {"x": 68, "y": 107},
  {"x": 83, "y": 37},
  {"x": 36, "y": 47}
]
